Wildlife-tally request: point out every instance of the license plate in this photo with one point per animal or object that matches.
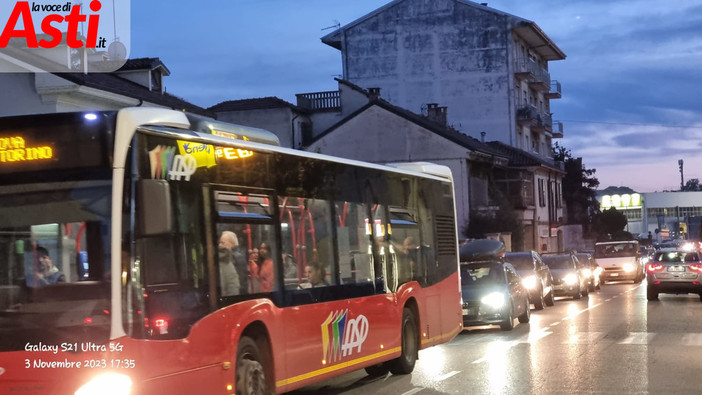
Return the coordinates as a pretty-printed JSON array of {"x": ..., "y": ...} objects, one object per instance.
[
  {"x": 468, "y": 311},
  {"x": 614, "y": 274},
  {"x": 676, "y": 269}
]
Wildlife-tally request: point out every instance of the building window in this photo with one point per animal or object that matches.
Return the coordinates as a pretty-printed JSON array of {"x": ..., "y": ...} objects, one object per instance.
[{"x": 542, "y": 193}]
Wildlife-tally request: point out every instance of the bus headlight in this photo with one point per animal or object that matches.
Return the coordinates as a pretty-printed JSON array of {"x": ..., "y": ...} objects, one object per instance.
[
  {"x": 495, "y": 300},
  {"x": 570, "y": 279},
  {"x": 529, "y": 282},
  {"x": 628, "y": 267},
  {"x": 107, "y": 384}
]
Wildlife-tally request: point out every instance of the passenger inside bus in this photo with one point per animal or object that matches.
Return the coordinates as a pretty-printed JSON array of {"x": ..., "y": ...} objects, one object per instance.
[
  {"x": 315, "y": 276},
  {"x": 47, "y": 273},
  {"x": 232, "y": 257},
  {"x": 264, "y": 269}
]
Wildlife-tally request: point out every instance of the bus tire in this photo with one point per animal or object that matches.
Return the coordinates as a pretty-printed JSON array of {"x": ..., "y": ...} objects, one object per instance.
[
  {"x": 404, "y": 364},
  {"x": 378, "y": 370},
  {"x": 251, "y": 369}
]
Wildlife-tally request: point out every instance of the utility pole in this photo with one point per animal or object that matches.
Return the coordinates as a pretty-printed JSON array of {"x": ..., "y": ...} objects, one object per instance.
[{"x": 682, "y": 182}]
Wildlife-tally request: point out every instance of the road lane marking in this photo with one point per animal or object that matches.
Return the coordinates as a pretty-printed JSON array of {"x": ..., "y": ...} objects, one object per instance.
[
  {"x": 498, "y": 349},
  {"x": 585, "y": 338},
  {"x": 447, "y": 375},
  {"x": 555, "y": 323},
  {"x": 413, "y": 391},
  {"x": 692, "y": 339},
  {"x": 607, "y": 300},
  {"x": 638, "y": 338}
]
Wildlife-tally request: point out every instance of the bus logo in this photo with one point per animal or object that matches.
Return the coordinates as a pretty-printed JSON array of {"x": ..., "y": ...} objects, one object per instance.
[
  {"x": 165, "y": 162},
  {"x": 342, "y": 336}
]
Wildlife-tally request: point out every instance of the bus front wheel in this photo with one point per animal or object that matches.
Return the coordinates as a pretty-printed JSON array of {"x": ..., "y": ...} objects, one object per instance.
[
  {"x": 404, "y": 364},
  {"x": 250, "y": 368}
]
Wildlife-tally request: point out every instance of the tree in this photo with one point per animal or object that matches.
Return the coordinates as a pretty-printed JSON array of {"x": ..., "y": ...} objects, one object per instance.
[
  {"x": 692, "y": 185},
  {"x": 610, "y": 224},
  {"x": 579, "y": 188},
  {"x": 504, "y": 219}
]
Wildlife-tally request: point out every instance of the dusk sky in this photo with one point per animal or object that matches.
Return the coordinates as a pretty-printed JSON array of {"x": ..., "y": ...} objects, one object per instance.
[{"x": 631, "y": 80}]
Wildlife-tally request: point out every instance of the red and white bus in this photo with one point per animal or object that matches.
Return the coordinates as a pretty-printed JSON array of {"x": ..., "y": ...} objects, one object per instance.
[{"x": 116, "y": 278}]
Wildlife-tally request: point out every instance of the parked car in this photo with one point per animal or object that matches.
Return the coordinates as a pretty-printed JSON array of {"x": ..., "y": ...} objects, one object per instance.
[
  {"x": 492, "y": 290},
  {"x": 536, "y": 277},
  {"x": 621, "y": 261},
  {"x": 675, "y": 271},
  {"x": 567, "y": 277},
  {"x": 590, "y": 270}
]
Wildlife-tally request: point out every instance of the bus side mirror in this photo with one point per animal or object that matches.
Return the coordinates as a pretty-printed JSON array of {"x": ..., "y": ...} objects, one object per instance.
[{"x": 153, "y": 208}]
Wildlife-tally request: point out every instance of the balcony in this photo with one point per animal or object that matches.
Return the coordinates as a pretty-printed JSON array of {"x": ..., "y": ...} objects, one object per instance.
[
  {"x": 555, "y": 91},
  {"x": 517, "y": 186},
  {"x": 535, "y": 119},
  {"x": 319, "y": 101},
  {"x": 557, "y": 129},
  {"x": 527, "y": 70}
]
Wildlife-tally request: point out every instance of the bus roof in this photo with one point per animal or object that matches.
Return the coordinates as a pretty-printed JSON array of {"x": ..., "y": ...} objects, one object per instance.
[{"x": 210, "y": 126}]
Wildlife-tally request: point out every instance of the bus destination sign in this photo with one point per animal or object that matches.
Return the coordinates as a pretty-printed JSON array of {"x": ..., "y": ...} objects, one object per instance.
[{"x": 16, "y": 149}]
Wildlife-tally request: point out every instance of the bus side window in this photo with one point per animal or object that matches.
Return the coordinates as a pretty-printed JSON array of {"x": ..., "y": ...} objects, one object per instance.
[{"x": 354, "y": 243}]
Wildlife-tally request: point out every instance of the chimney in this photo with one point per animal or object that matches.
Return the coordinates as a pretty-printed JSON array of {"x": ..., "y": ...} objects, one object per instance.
[
  {"x": 436, "y": 113},
  {"x": 373, "y": 93}
]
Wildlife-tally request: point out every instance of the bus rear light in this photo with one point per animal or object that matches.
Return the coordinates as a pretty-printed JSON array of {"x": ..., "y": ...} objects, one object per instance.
[
  {"x": 654, "y": 267},
  {"x": 88, "y": 320},
  {"x": 162, "y": 326}
]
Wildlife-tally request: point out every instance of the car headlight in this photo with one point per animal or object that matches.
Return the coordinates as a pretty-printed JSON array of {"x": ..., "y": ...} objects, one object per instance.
[
  {"x": 529, "y": 282},
  {"x": 494, "y": 300},
  {"x": 587, "y": 273},
  {"x": 107, "y": 384},
  {"x": 570, "y": 279},
  {"x": 598, "y": 271},
  {"x": 628, "y": 267}
]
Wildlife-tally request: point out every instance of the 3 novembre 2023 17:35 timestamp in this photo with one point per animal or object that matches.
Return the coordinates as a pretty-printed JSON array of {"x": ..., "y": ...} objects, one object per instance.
[{"x": 113, "y": 363}]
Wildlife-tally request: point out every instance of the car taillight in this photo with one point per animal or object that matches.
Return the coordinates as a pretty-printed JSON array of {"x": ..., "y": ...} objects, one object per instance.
[
  {"x": 696, "y": 267},
  {"x": 654, "y": 267}
]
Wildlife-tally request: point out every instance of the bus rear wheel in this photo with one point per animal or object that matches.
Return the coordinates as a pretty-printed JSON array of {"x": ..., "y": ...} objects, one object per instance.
[
  {"x": 250, "y": 369},
  {"x": 404, "y": 364}
]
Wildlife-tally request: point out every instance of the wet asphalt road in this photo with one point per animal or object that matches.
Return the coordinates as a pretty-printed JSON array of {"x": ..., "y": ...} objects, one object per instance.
[{"x": 612, "y": 342}]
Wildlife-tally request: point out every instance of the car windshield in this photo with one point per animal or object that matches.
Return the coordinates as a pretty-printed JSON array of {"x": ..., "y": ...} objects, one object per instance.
[
  {"x": 482, "y": 274},
  {"x": 520, "y": 261},
  {"x": 558, "y": 261},
  {"x": 612, "y": 250},
  {"x": 677, "y": 256}
]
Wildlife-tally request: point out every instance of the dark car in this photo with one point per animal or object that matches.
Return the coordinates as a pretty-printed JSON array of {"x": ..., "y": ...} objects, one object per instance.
[
  {"x": 567, "y": 277},
  {"x": 590, "y": 270},
  {"x": 674, "y": 271},
  {"x": 536, "y": 277},
  {"x": 491, "y": 288}
]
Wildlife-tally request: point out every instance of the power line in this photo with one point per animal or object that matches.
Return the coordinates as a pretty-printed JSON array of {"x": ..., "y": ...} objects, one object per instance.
[{"x": 634, "y": 124}]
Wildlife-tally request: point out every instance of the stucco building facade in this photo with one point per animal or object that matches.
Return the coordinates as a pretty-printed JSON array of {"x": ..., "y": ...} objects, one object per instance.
[{"x": 489, "y": 69}]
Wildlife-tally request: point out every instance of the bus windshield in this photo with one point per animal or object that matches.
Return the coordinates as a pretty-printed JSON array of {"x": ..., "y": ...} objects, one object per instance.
[{"x": 54, "y": 246}]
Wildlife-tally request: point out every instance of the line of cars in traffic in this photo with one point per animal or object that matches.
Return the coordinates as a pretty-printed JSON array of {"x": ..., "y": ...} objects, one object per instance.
[{"x": 499, "y": 286}]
